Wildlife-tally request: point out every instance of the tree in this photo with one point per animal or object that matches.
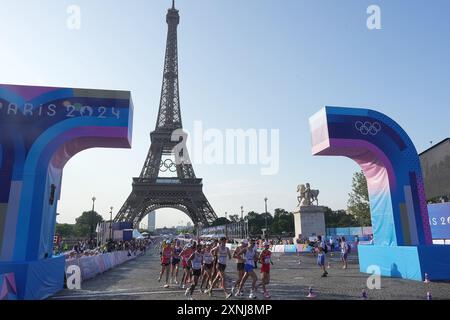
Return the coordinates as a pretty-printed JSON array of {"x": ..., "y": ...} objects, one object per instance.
[
  {"x": 86, "y": 223},
  {"x": 358, "y": 203},
  {"x": 339, "y": 219},
  {"x": 185, "y": 230},
  {"x": 65, "y": 230},
  {"x": 234, "y": 217},
  {"x": 283, "y": 221},
  {"x": 268, "y": 216},
  {"x": 254, "y": 223},
  {"x": 220, "y": 221}
]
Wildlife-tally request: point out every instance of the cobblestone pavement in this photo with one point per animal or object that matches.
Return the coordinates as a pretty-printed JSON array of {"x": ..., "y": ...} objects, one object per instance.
[{"x": 290, "y": 280}]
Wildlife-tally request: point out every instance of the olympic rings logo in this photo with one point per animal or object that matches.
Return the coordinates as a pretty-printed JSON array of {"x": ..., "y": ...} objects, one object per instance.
[
  {"x": 167, "y": 165},
  {"x": 366, "y": 128}
]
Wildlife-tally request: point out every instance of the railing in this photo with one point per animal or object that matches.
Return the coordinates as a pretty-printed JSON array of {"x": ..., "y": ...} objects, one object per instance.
[{"x": 167, "y": 181}]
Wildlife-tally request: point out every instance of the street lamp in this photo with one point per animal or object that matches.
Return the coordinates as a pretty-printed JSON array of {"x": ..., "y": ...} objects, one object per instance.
[
  {"x": 242, "y": 223},
  {"x": 265, "y": 216},
  {"x": 265, "y": 201},
  {"x": 110, "y": 223},
  {"x": 92, "y": 217}
]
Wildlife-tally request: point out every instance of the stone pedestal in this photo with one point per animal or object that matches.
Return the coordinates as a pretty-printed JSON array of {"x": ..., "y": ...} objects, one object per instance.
[{"x": 309, "y": 221}]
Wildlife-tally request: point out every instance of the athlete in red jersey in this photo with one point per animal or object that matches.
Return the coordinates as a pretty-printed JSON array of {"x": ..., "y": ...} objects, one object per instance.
[
  {"x": 185, "y": 255},
  {"x": 166, "y": 257},
  {"x": 266, "y": 261}
]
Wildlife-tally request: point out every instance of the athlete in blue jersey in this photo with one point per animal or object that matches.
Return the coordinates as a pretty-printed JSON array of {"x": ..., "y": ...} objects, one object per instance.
[{"x": 176, "y": 261}]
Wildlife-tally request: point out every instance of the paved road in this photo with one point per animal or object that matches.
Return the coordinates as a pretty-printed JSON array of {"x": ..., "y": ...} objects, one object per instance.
[{"x": 137, "y": 280}]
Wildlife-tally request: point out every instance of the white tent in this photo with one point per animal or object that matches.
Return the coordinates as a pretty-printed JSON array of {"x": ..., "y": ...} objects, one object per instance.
[{"x": 137, "y": 234}]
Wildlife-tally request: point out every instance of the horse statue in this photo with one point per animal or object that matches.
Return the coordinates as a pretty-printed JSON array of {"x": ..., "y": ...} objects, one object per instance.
[
  {"x": 306, "y": 195},
  {"x": 301, "y": 197}
]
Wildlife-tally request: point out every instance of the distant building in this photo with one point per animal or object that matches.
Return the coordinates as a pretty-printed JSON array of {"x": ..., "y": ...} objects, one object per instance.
[
  {"x": 436, "y": 170},
  {"x": 152, "y": 221},
  {"x": 188, "y": 227},
  {"x": 166, "y": 231}
]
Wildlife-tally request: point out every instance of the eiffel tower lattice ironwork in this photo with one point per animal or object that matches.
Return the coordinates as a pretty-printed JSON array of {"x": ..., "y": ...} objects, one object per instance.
[{"x": 150, "y": 190}]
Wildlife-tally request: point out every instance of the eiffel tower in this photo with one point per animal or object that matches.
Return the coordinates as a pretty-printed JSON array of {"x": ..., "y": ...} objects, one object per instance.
[{"x": 150, "y": 190}]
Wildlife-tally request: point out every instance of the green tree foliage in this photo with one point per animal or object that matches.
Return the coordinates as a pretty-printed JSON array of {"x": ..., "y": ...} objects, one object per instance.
[
  {"x": 186, "y": 230},
  {"x": 234, "y": 217},
  {"x": 257, "y": 222},
  {"x": 358, "y": 203},
  {"x": 339, "y": 219},
  {"x": 283, "y": 221},
  {"x": 254, "y": 222},
  {"x": 220, "y": 221},
  {"x": 65, "y": 230},
  {"x": 86, "y": 223}
]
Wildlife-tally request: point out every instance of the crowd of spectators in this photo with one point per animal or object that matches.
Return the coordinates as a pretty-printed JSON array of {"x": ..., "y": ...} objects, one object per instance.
[
  {"x": 279, "y": 241},
  {"x": 90, "y": 248}
]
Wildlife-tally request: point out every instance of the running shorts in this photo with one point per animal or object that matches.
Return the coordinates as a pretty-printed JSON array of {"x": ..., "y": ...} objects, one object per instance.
[
  {"x": 321, "y": 260},
  {"x": 265, "y": 268},
  {"x": 249, "y": 267},
  {"x": 240, "y": 266},
  {"x": 221, "y": 267},
  {"x": 197, "y": 272}
]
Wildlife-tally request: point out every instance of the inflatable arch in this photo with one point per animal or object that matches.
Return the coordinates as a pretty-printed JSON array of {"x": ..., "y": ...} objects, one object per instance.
[
  {"x": 41, "y": 129},
  {"x": 402, "y": 235}
]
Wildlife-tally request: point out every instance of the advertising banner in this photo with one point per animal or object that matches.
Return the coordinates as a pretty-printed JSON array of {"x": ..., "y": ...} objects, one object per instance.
[
  {"x": 8, "y": 289},
  {"x": 439, "y": 215},
  {"x": 278, "y": 248},
  {"x": 91, "y": 266},
  {"x": 303, "y": 248},
  {"x": 290, "y": 248}
]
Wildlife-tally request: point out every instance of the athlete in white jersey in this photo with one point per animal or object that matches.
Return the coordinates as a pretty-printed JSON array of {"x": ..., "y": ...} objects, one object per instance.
[
  {"x": 196, "y": 261},
  {"x": 240, "y": 264},
  {"x": 223, "y": 254},
  {"x": 208, "y": 260}
]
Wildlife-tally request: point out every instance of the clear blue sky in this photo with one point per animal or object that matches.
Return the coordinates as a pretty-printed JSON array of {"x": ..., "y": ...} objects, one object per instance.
[{"x": 261, "y": 64}]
